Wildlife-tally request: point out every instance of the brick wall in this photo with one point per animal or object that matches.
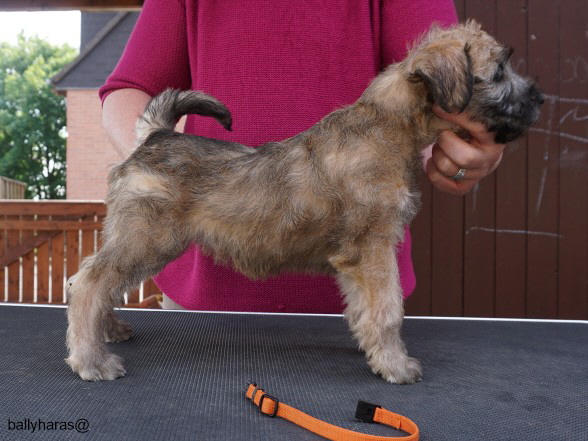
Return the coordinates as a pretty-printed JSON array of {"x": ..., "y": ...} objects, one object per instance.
[{"x": 89, "y": 153}]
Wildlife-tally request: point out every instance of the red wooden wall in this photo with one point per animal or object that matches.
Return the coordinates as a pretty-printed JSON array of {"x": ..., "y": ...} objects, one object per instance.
[{"x": 517, "y": 246}]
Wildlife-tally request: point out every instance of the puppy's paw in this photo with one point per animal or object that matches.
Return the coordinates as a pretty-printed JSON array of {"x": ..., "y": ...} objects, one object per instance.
[
  {"x": 117, "y": 330},
  {"x": 401, "y": 369},
  {"x": 106, "y": 366}
]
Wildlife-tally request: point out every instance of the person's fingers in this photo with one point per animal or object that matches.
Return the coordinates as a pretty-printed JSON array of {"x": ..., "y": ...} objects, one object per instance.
[
  {"x": 464, "y": 154},
  {"x": 476, "y": 129},
  {"x": 457, "y": 165},
  {"x": 445, "y": 183},
  {"x": 449, "y": 168}
]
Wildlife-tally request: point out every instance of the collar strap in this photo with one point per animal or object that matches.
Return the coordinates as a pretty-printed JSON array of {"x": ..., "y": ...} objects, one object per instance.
[{"x": 366, "y": 412}]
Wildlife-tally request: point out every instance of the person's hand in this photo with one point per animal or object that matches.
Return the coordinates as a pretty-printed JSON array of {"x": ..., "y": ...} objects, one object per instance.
[{"x": 479, "y": 156}]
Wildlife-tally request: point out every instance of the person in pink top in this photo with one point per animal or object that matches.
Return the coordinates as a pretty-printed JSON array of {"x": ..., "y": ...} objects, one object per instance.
[{"x": 279, "y": 66}]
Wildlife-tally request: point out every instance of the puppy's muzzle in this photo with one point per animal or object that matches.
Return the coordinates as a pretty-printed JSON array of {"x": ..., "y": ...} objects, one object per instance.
[{"x": 535, "y": 95}]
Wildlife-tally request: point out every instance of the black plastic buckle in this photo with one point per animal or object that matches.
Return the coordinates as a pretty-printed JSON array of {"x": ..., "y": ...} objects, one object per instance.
[
  {"x": 365, "y": 411},
  {"x": 251, "y": 383},
  {"x": 276, "y": 403}
]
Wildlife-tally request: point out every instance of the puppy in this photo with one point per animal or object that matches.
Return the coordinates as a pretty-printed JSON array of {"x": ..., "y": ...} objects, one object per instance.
[{"x": 334, "y": 199}]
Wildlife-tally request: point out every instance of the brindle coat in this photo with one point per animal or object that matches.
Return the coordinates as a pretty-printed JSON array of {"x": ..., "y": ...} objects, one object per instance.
[{"x": 334, "y": 199}]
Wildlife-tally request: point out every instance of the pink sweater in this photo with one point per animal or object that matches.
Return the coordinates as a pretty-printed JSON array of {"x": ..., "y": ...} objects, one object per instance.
[{"x": 279, "y": 66}]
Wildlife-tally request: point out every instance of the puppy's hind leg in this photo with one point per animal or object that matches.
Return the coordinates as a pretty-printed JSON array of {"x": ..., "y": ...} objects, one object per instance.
[
  {"x": 91, "y": 295},
  {"x": 116, "y": 330},
  {"x": 128, "y": 256},
  {"x": 375, "y": 309}
]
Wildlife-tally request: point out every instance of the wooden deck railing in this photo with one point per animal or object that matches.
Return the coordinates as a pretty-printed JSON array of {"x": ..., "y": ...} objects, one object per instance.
[
  {"x": 42, "y": 244},
  {"x": 11, "y": 188}
]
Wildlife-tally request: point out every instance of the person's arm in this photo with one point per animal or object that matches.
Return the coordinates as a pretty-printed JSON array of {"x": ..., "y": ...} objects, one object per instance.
[
  {"x": 155, "y": 58},
  {"x": 120, "y": 110}
]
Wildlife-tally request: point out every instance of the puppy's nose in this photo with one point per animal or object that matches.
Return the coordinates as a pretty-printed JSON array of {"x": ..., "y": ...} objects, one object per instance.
[{"x": 535, "y": 94}]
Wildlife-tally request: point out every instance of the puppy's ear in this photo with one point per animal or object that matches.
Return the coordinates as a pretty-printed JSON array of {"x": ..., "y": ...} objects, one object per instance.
[{"x": 447, "y": 74}]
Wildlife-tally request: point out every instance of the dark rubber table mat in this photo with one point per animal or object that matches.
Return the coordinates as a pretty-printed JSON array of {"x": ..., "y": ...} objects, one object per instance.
[{"x": 483, "y": 380}]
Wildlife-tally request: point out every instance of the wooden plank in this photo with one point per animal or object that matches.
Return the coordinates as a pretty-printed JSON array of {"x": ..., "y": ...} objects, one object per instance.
[
  {"x": 11, "y": 188},
  {"x": 58, "y": 268},
  {"x": 573, "y": 160},
  {"x": 419, "y": 303},
  {"x": 134, "y": 296},
  {"x": 543, "y": 157},
  {"x": 13, "y": 240},
  {"x": 511, "y": 182},
  {"x": 88, "y": 245},
  {"x": 150, "y": 288},
  {"x": 43, "y": 263},
  {"x": 49, "y": 225},
  {"x": 26, "y": 245},
  {"x": 484, "y": 11},
  {"x": 446, "y": 242},
  {"x": 480, "y": 213},
  {"x": 447, "y": 255},
  {"x": 28, "y": 266},
  {"x": 72, "y": 247},
  {"x": 53, "y": 207},
  {"x": 460, "y": 9},
  {"x": 2, "y": 270}
]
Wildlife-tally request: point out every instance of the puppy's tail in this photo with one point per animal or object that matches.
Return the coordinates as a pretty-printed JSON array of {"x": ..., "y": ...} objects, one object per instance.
[{"x": 164, "y": 111}]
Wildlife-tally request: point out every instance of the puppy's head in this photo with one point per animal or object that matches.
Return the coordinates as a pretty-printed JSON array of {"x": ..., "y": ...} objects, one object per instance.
[{"x": 464, "y": 69}]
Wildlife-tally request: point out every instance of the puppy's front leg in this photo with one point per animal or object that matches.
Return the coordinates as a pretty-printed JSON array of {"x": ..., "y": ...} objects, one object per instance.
[{"x": 375, "y": 310}]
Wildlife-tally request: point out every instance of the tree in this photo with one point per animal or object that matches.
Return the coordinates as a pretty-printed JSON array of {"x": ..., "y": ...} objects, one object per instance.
[{"x": 32, "y": 116}]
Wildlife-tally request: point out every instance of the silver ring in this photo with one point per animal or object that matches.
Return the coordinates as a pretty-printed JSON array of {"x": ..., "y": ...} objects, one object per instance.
[{"x": 459, "y": 175}]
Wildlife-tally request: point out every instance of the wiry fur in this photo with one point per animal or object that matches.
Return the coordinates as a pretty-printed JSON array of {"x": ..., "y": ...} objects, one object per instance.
[{"x": 334, "y": 199}]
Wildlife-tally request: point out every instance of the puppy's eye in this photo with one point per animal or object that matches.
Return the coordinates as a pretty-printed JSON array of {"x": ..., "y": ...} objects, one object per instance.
[{"x": 499, "y": 74}]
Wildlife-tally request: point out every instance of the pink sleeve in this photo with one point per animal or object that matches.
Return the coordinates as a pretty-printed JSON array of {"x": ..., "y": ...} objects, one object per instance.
[
  {"x": 403, "y": 21},
  {"x": 156, "y": 55}
]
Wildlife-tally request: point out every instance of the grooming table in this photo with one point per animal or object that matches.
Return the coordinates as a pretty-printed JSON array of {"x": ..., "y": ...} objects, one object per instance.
[{"x": 483, "y": 379}]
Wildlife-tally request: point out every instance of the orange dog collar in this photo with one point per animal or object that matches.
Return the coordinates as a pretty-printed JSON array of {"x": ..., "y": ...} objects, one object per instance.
[{"x": 366, "y": 412}]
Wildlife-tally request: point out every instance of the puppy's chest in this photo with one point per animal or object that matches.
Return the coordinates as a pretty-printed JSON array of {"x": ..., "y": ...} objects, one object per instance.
[
  {"x": 399, "y": 199},
  {"x": 396, "y": 182}
]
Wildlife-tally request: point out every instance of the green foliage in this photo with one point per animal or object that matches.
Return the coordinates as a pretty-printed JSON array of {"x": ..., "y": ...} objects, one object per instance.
[{"x": 32, "y": 116}]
